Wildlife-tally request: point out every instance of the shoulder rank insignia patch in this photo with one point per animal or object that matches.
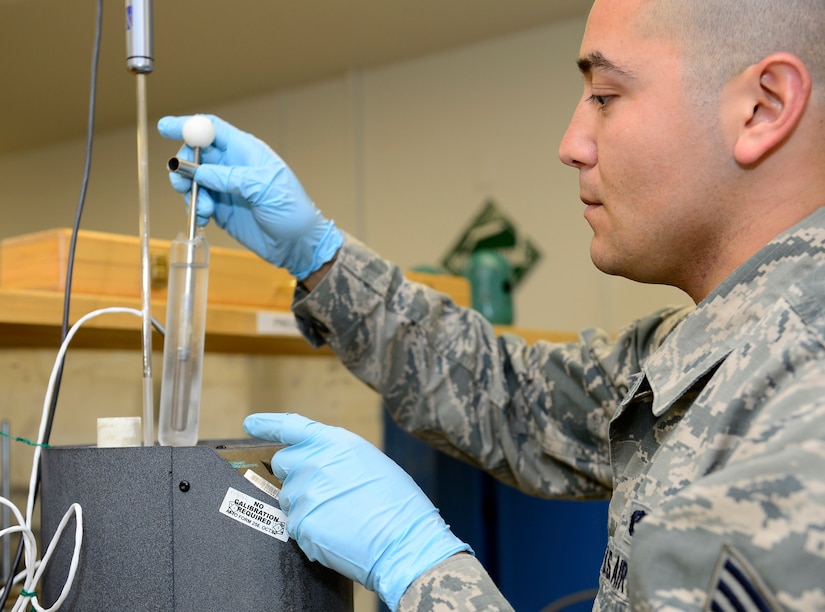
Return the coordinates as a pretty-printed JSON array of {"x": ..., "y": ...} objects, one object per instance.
[{"x": 736, "y": 586}]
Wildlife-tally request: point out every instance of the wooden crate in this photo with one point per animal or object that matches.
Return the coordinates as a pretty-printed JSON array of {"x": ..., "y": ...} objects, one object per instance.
[{"x": 109, "y": 264}]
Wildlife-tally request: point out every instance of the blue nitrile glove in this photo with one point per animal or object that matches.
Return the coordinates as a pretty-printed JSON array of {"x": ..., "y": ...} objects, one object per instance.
[
  {"x": 255, "y": 197},
  {"x": 353, "y": 509}
]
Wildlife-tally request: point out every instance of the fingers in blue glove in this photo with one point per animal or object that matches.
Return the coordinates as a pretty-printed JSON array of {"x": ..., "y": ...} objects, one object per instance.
[
  {"x": 283, "y": 427},
  {"x": 253, "y": 151},
  {"x": 254, "y": 196},
  {"x": 171, "y": 127}
]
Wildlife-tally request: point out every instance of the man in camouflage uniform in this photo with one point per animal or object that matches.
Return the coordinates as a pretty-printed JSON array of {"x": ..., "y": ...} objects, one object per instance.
[{"x": 699, "y": 144}]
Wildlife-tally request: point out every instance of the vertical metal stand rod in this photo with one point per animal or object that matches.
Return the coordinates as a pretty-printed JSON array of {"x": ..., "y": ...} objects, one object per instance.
[
  {"x": 5, "y": 521},
  {"x": 145, "y": 264}
]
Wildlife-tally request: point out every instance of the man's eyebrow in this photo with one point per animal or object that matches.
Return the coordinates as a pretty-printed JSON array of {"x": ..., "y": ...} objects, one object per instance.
[{"x": 596, "y": 61}]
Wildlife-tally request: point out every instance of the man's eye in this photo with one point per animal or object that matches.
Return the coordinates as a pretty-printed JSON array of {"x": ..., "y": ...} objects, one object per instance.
[{"x": 600, "y": 100}]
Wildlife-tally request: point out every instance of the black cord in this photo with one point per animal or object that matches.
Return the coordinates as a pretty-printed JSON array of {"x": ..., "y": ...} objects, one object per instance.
[
  {"x": 79, "y": 213},
  {"x": 70, "y": 267}
]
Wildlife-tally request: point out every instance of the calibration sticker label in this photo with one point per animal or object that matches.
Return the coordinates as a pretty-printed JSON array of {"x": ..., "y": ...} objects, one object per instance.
[{"x": 256, "y": 514}]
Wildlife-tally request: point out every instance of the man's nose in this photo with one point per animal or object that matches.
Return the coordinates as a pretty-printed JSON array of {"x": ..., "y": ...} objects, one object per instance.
[{"x": 577, "y": 148}]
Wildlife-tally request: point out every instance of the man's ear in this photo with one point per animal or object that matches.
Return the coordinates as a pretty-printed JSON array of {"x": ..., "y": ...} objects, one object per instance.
[{"x": 775, "y": 94}]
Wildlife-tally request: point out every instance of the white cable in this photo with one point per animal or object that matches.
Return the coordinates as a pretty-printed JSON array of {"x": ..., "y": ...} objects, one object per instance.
[
  {"x": 26, "y": 534},
  {"x": 78, "y": 540},
  {"x": 34, "y": 569}
]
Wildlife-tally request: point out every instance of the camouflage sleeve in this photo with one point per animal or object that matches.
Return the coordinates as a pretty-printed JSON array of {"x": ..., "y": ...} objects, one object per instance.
[
  {"x": 457, "y": 583},
  {"x": 752, "y": 534},
  {"x": 533, "y": 416}
]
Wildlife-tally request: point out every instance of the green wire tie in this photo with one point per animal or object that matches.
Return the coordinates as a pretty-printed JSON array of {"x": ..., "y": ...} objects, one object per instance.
[
  {"x": 25, "y": 593},
  {"x": 23, "y": 440}
]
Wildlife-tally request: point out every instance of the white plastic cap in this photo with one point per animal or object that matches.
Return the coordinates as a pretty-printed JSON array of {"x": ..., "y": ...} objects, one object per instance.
[{"x": 113, "y": 432}]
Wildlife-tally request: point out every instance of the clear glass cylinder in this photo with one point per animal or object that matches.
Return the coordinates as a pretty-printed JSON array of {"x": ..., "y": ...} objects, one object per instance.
[{"x": 180, "y": 391}]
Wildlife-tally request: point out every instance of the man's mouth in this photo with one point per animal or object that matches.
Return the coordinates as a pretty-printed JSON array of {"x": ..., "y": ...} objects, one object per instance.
[
  {"x": 590, "y": 207},
  {"x": 590, "y": 204}
]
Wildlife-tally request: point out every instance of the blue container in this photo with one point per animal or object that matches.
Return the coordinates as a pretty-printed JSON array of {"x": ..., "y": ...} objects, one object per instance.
[{"x": 548, "y": 549}]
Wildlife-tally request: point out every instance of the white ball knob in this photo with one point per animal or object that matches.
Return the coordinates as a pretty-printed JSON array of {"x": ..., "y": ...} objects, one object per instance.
[{"x": 198, "y": 131}]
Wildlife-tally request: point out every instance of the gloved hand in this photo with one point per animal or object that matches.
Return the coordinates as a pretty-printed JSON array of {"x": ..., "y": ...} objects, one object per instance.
[
  {"x": 351, "y": 507},
  {"x": 255, "y": 197}
]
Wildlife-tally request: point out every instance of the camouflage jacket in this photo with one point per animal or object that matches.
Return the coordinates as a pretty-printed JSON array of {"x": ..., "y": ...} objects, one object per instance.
[{"x": 704, "y": 426}]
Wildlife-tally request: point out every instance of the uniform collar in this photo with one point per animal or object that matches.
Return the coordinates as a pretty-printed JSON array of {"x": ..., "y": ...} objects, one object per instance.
[{"x": 719, "y": 323}]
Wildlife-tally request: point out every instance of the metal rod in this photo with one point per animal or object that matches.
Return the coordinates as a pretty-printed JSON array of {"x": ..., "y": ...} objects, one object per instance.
[
  {"x": 5, "y": 517},
  {"x": 182, "y": 167},
  {"x": 193, "y": 198},
  {"x": 145, "y": 262},
  {"x": 180, "y": 416}
]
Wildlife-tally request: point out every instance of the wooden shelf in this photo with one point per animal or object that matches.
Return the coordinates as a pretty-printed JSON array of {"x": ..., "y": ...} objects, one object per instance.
[
  {"x": 249, "y": 299},
  {"x": 31, "y": 319}
]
